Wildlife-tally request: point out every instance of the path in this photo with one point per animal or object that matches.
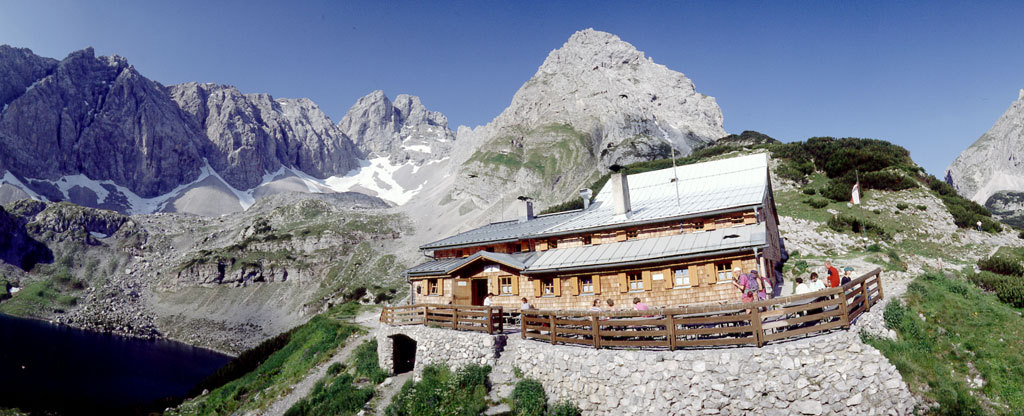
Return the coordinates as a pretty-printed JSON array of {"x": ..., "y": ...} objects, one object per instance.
[
  {"x": 305, "y": 386},
  {"x": 386, "y": 391}
]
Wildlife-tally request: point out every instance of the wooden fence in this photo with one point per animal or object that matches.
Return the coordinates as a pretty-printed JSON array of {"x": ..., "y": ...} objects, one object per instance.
[
  {"x": 754, "y": 323},
  {"x": 458, "y": 317}
]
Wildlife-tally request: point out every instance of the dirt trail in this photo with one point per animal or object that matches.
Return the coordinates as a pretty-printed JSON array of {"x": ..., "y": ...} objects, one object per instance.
[{"x": 305, "y": 386}]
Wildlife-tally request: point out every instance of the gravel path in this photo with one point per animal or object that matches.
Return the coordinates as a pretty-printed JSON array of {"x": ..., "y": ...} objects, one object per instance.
[
  {"x": 304, "y": 387},
  {"x": 386, "y": 391}
]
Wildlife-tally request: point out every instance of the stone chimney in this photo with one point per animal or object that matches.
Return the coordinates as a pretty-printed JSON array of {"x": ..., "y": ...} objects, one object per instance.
[
  {"x": 620, "y": 190},
  {"x": 585, "y": 195},
  {"x": 525, "y": 209}
]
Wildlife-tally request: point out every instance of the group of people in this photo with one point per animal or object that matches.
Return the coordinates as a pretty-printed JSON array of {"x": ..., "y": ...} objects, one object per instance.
[
  {"x": 595, "y": 306},
  {"x": 815, "y": 284},
  {"x": 752, "y": 285}
]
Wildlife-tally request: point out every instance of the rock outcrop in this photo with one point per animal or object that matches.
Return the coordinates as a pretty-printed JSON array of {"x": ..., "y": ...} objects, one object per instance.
[
  {"x": 595, "y": 102},
  {"x": 21, "y": 68},
  {"x": 995, "y": 162},
  {"x": 403, "y": 130}
]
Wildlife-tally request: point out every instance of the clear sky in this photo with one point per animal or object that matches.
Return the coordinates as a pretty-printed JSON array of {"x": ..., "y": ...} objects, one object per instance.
[{"x": 930, "y": 76}]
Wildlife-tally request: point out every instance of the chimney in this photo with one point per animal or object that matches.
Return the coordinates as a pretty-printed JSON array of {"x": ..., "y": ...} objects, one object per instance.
[
  {"x": 586, "y": 194},
  {"x": 525, "y": 209},
  {"x": 620, "y": 190}
]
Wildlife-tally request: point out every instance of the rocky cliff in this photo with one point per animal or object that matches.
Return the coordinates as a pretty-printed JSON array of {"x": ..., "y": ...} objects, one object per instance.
[
  {"x": 995, "y": 162},
  {"x": 403, "y": 130},
  {"x": 594, "y": 102}
]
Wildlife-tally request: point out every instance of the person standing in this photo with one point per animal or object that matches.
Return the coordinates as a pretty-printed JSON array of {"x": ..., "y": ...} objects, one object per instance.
[
  {"x": 762, "y": 285},
  {"x": 833, "y": 274},
  {"x": 846, "y": 275}
]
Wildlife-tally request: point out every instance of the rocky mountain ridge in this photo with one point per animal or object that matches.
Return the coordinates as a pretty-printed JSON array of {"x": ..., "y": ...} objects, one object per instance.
[
  {"x": 995, "y": 162},
  {"x": 400, "y": 130}
]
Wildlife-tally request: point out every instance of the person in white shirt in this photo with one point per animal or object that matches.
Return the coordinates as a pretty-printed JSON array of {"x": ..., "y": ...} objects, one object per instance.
[
  {"x": 801, "y": 287},
  {"x": 816, "y": 284},
  {"x": 487, "y": 300}
]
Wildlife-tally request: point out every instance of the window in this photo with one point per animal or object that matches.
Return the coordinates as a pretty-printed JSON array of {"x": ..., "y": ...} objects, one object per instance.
[
  {"x": 432, "y": 288},
  {"x": 699, "y": 225},
  {"x": 505, "y": 282},
  {"x": 724, "y": 272},
  {"x": 586, "y": 240},
  {"x": 681, "y": 277},
  {"x": 548, "y": 287},
  {"x": 552, "y": 243},
  {"x": 737, "y": 220},
  {"x": 586, "y": 285},
  {"x": 636, "y": 281},
  {"x": 632, "y": 234},
  {"x": 492, "y": 268}
]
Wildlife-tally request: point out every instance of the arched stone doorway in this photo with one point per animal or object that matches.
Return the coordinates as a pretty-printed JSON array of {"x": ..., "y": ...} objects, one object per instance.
[{"x": 403, "y": 353}]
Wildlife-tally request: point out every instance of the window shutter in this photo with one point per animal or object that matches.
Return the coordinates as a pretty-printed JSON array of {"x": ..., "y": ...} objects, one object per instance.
[
  {"x": 536, "y": 288},
  {"x": 515, "y": 285},
  {"x": 440, "y": 285},
  {"x": 709, "y": 224},
  {"x": 574, "y": 285},
  {"x": 620, "y": 235},
  {"x": 597, "y": 283},
  {"x": 696, "y": 275},
  {"x": 558, "y": 286},
  {"x": 648, "y": 283},
  {"x": 623, "y": 283},
  {"x": 712, "y": 276},
  {"x": 542, "y": 245},
  {"x": 494, "y": 285},
  {"x": 670, "y": 279}
]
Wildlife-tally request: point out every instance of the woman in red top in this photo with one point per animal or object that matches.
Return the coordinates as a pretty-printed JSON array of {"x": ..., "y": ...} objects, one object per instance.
[{"x": 833, "y": 274}]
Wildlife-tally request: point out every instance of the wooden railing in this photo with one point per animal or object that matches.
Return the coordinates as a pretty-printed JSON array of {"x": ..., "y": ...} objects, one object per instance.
[
  {"x": 458, "y": 317},
  {"x": 754, "y": 323}
]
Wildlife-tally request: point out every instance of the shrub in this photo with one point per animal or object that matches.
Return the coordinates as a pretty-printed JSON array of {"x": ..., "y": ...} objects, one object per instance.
[
  {"x": 565, "y": 408},
  {"x": 528, "y": 398},
  {"x": 922, "y": 207},
  {"x": 1002, "y": 265},
  {"x": 335, "y": 369},
  {"x": 841, "y": 223},
  {"x": 1009, "y": 289},
  {"x": 893, "y": 314},
  {"x": 809, "y": 191},
  {"x": 837, "y": 191},
  {"x": 816, "y": 202},
  {"x": 876, "y": 211},
  {"x": 332, "y": 397},
  {"x": 441, "y": 392},
  {"x": 874, "y": 248},
  {"x": 1021, "y": 235},
  {"x": 902, "y": 206}
]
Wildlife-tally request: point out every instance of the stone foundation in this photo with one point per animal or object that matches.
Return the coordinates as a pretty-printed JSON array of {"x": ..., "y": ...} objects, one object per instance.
[{"x": 434, "y": 345}]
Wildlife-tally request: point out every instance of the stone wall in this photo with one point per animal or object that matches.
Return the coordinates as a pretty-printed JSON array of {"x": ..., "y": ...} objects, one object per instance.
[
  {"x": 434, "y": 345},
  {"x": 833, "y": 373}
]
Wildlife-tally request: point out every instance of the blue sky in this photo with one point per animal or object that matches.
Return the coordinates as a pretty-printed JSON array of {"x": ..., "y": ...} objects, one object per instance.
[{"x": 930, "y": 76}]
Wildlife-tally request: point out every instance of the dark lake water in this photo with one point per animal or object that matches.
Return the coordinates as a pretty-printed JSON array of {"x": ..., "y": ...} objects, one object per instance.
[{"x": 60, "y": 370}]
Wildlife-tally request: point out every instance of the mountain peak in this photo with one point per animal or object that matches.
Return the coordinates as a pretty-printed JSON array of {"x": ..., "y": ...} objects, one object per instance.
[
  {"x": 1020, "y": 94},
  {"x": 591, "y": 49}
]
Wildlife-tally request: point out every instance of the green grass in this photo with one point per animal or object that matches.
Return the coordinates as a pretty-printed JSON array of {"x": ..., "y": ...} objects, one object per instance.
[
  {"x": 308, "y": 346},
  {"x": 443, "y": 392},
  {"x": 341, "y": 392},
  {"x": 965, "y": 334}
]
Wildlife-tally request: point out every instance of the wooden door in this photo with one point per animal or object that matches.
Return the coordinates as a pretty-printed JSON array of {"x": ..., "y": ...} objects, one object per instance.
[{"x": 462, "y": 292}]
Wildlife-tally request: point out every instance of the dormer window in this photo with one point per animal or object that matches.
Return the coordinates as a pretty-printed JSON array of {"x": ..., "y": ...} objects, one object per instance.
[
  {"x": 632, "y": 234},
  {"x": 586, "y": 240}
]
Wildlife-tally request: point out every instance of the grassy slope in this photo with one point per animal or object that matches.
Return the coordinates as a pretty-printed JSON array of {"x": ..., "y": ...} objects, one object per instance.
[{"x": 951, "y": 332}]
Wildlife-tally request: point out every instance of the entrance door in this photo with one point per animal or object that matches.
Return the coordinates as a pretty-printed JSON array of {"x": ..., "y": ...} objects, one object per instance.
[
  {"x": 479, "y": 291},
  {"x": 403, "y": 353},
  {"x": 463, "y": 293}
]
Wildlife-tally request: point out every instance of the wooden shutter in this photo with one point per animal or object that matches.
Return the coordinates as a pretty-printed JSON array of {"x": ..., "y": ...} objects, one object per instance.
[
  {"x": 620, "y": 235},
  {"x": 712, "y": 275},
  {"x": 597, "y": 283},
  {"x": 542, "y": 245},
  {"x": 574, "y": 285},
  {"x": 696, "y": 276},
  {"x": 494, "y": 284},
  {"x": 623, "y": 283},
  {"x": 515, "y": 285},
  {"x": 648, "y": 283},
  {"x": 557, "y": 283},
  {"x": 537, "y": 288},
  {"x": 670, "y": 279},
  {"x": 709, "y": 224}
]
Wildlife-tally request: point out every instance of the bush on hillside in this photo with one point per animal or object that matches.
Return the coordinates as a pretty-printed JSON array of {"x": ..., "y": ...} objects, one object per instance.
[
  {"x": 528, "y": 398},
  {"x": 809, "y": 191},
  {"x": 1002, "y": 265},
  {"x": 1009, "y": 289},
  {"x": 565, "y": 408},
  {"x": 841, "y": 223},
  {"x": 837, "y": 191},
  {"x": 442, "y": 392},
  {"x": 816, "y": 202},
  {"x": 366, "y": 364},
  {"x": 902, "y": 206}
]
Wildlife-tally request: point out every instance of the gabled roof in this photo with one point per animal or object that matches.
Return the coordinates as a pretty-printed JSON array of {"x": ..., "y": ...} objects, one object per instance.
[
  {"x": 650, "y": 250},
  {"x": 442, "y": 267},
  {"x": 703, "y": 188}
]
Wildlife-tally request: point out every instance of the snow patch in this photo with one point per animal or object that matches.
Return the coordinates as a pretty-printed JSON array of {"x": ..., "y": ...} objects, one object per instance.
[
  {"x": 418, "y": 148},
  {"x": 376, "y": 175},
  {"x": 13, "y": 180},
  {"x": 98, "y": 235}
]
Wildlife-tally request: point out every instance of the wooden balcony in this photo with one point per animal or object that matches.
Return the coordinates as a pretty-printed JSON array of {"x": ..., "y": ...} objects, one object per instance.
[{"x": 737, "y": 324}]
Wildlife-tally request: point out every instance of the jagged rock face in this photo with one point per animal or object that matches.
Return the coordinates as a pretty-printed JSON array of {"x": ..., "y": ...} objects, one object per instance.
[
  {"x": 99, "y": 117},
  {"x": 17, "y": 247},
  {"x": 253, "y": 134},
  {"x": 995, "y": 162},
  {"x": 595, "y": 102},
  {"x": 20, "y": 68},
  {"x": 400, "y": 130}
]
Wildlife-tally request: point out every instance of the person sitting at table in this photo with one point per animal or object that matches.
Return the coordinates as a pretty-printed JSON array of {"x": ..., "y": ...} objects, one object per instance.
[
  {"x": 846, "y": 275},
  {"x": 595, "y": 306},
  {"x": 488, "y": 300},
  {"x": 525, "y": 305},
  {"x": 816, "y": 284},
  {"x": 638, "y": 305},
  {"x": 801, "y": 287},
  {"x": 611, "y": 304}
]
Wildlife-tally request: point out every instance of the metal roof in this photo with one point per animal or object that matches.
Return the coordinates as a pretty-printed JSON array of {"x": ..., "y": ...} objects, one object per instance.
[
  {"x": 504, "y": 231},
  {"x": 703, "y": 188},
  {"x": 650, "y": 249},
  {"x": 443, "y": 267}
]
